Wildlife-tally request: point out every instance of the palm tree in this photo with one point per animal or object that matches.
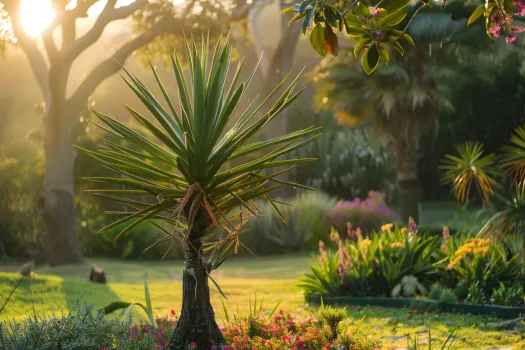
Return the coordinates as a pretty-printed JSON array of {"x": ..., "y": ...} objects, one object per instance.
[
  {"x": 190, "y": 191},
  {"x": 402, "y": 99}
]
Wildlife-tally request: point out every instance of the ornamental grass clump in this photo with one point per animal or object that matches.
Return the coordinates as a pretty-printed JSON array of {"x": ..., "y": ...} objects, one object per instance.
[{"x": 176, "y": 175}]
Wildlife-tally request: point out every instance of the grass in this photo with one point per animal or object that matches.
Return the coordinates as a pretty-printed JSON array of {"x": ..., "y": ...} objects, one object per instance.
[{"x": 53, "y": 290}]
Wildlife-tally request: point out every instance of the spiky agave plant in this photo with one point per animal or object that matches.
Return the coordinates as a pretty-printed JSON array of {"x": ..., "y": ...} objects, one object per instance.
[{"x": 183, "y": 172}]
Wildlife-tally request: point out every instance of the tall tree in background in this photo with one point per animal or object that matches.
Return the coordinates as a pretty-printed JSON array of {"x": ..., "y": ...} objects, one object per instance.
[
  {"x": 51, "y": 65},
  {"x": 404, "y": 98},
  {"x": 273, "y": 68}
]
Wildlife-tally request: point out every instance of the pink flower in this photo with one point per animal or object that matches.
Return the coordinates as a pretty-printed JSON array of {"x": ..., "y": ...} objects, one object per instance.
[
  {"x": 349, "y": 229},
  {"x": 511, "y": 38},
  {"x": 412, "y": 225},
  {"x": 446, "y": 233}
]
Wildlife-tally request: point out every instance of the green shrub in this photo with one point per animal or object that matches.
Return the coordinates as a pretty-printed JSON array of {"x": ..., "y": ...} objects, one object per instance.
[
  {"x": 21, "y": 179},
  {"x": 80, "y": 330},
  {"x": 461, "y": 291},
  {"x": 435, "y": 292},
  {"x": 447, "y": 296},
  {"x": 351, "y": 162},
  {"x": 373, "y": 266},
  {"x": 512, "y": 295},
  {"x": 483, "y": 264},
  {"x": 305, "y": 225},
  {"x": 476, "y": 295},
  {"x": 408, "y": 287}
]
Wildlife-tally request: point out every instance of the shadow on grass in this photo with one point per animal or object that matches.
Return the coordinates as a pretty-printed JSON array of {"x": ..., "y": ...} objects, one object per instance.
[{"x": 44, "y": 295}]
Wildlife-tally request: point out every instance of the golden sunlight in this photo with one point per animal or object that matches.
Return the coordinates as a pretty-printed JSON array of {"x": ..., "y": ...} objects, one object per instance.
[{"x": 36, "y": 15}]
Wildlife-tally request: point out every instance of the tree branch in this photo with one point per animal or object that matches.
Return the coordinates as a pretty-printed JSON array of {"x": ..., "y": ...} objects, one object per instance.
[
  {"x": 257, "y": 38},
  {"x": 238, "y": 14},
  {"x": 36, "y": 60},
  {"x": 112, "y": 65},
  {"x": 70, "y": 15},
  {"x": 108, "y": 15}
]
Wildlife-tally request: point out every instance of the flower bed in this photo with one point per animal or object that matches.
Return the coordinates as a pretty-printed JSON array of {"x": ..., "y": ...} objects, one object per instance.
[
  {"x": 403, "y": 262},
  {"x": 328, "y": 329}
]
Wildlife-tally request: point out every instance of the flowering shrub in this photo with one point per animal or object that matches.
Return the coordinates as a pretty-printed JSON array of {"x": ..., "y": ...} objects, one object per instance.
[
  {"x": 373, "y": 266},
  {"x": 330, "y": 329},
  {"x": 161, "y": 336},
  {"x": 283, "y": 331},
  {"x": 368, "y": 214},
  {"x": 401, "y": 260},
  {"x": 482, "y": 264},
  {"x": 499, "y": 18}
]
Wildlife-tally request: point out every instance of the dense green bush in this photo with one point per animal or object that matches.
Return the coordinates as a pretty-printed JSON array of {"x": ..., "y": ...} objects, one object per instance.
[
  {"x": 83, "y": 329},
  {"x": 374, "y": 266},
  {"x": 305, "y": 225},
  {"x": 351, "y": 162},
  {"x": 21, "y": 180}
]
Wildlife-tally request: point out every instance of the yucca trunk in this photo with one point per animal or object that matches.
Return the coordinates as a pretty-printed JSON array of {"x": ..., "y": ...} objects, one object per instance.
[{"x": 197, "y": 319}]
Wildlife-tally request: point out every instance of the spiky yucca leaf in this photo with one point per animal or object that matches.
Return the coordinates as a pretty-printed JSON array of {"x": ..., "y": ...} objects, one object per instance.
[
  {"x": 183, "y": 170},
  {"x": 470, "y": 167},
  {"x": 513, "y": 158}
]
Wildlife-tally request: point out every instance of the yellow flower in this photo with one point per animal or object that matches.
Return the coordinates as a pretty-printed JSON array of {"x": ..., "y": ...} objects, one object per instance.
[
  {"x": 387, "y": 227},
  {"x": 454, "y": 262},
  {"x": 482, "y": 250},
  {"x": 366, "y": 243},
  {"x": 403, "y": 230},
  {"x": 397, "y": 245}
]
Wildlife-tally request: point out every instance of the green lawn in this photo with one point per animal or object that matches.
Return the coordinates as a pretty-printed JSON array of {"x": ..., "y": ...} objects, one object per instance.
[{"x": 274, "y": 277}]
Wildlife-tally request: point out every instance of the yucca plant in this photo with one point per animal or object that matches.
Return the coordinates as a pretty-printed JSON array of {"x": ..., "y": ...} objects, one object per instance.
[
  {"x": 191, "y": 194},
  {"x": 471, "y": 168}
]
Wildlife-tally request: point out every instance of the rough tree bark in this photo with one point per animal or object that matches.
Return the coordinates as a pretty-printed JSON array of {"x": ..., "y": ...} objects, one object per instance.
[
  {"x": 407, "y": 181},
  {"x": 197, "y": 319}
]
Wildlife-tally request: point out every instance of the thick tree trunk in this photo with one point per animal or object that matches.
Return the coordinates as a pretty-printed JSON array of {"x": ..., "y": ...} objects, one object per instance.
[
  {"x": 197, "y": 319},
  {"x": 57, "y": 200},
  {"x": 280, "y": 65},
  {"x": 408, "y": 183}
]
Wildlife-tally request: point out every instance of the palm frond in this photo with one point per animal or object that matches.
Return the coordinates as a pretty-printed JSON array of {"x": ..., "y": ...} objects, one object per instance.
[
  {"x": 513, "y": 158},
  {"x": 470, "y": 168}
]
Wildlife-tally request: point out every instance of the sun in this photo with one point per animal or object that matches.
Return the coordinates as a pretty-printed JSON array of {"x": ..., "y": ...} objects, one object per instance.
[{"x": 36, "y": 15}]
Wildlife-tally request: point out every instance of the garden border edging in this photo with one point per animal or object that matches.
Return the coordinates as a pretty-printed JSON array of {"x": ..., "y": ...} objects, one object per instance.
[{"x": 499, "y": 311}]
